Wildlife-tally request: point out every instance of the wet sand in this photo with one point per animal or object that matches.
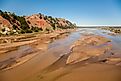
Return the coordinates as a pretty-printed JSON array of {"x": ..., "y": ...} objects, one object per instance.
[
  {"x": 16, "y": 53},
  {"x": 92, "y": 58},
  {"x": 87, "y": 72},
  {"x": 92, "y": 72},
  {"x": 41, "y": 60},
  {"x": 99, "y": 60}
]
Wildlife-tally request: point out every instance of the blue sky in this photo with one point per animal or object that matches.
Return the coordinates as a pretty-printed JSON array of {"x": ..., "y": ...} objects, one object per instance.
[{"x": 82, "y": 12}]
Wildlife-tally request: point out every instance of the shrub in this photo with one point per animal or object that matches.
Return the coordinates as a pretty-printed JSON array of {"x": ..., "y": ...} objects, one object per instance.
[
  {"x": 36, "y": 29},
  {"x": 22, "y": 31},
  {"x": 23, "y": 22}
]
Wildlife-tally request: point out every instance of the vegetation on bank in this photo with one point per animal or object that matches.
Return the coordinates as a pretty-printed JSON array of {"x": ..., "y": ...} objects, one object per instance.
[
  {"x": 21, "y": 26},
  {"x": 113, "y": 29}
]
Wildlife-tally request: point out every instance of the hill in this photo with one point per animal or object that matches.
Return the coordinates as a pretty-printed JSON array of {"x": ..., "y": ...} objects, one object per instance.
[{"x": 10, "y": 23}]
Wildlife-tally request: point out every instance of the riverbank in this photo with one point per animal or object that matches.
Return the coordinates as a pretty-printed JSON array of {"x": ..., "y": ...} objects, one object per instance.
[{"x": 116, "y": 30}]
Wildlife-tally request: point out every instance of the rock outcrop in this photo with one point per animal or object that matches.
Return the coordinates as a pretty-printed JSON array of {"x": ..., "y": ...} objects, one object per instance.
[
  {"x": 4, "y": 23},
  {"x": 37, "y": 20}
]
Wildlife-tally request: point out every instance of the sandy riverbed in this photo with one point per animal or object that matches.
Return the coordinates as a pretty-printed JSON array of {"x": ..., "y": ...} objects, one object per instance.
[
  {"x": 16, "y": 53},
  {"x": 78, "y": 56}
]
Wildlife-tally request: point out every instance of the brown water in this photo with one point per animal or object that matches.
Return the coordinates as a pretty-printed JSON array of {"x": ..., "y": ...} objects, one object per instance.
[{"x": 50, "y": 65}]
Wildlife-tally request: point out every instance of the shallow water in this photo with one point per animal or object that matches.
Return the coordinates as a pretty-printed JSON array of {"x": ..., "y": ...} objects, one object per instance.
[
  {"x": 52, "y": 61},
  {"x": 42, "y": 60}
]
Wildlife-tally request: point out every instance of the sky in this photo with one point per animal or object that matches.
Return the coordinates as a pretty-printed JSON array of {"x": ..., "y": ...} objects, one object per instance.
[{"x": 81, "y": 12}]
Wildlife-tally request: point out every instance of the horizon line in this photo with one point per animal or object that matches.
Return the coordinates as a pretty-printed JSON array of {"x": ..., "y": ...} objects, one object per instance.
[{"x": 98, "y": 25}]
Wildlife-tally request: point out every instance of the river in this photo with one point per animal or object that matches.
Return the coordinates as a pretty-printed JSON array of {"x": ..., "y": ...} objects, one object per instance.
[{"x": 56, "y": 53}]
